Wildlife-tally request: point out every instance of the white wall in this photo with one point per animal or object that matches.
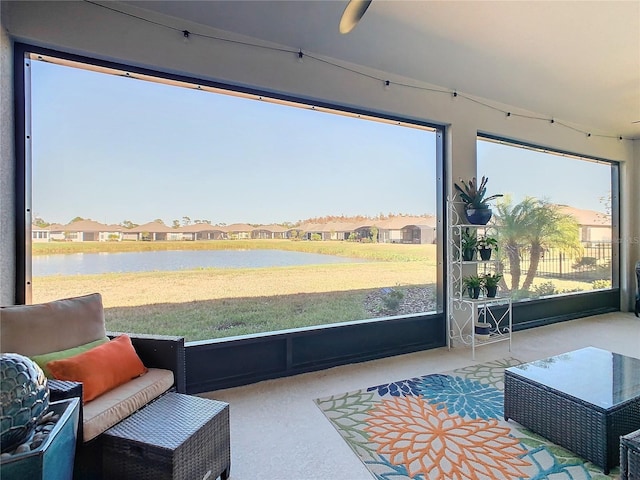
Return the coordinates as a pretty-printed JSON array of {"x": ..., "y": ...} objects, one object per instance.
[
  {"x": 630, "y": 235},
  {"x": 7, "y": 224},
  {"x": 80, "y": 27}
]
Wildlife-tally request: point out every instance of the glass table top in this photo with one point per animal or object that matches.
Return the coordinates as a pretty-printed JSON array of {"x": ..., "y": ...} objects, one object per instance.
[{"x": 599, "y": 377}]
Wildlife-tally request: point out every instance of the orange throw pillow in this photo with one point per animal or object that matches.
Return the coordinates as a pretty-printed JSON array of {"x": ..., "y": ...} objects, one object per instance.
[{"x": 102, "y": 368}]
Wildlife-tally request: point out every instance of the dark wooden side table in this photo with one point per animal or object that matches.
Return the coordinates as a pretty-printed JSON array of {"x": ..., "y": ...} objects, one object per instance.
[{"x": 177, "y": 437}]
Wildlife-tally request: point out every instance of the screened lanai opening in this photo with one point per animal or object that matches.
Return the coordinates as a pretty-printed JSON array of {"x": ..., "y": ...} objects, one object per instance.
[
  {"x": 558, "y": 219},
  {"x": 208, "y": 212}
]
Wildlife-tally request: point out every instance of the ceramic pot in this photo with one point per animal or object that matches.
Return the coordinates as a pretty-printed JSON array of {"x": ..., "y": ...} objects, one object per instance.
[
  {"x": 492, "y": 291},
  {"x": 468, "y": 254},
  {"x": 482, "y": 328},
  {"x": 478, "y": 216},
  {"x": 485, "y": 254}
]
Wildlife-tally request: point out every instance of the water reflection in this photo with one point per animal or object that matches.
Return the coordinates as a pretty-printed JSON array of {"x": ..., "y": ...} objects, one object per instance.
[{"x": 94, "y": 263}]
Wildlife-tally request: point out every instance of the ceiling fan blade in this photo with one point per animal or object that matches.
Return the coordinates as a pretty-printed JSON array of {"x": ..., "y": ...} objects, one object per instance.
[{"x": 352, "y": 14}]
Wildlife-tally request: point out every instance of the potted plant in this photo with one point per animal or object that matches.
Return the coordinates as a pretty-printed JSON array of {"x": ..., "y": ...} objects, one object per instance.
[
  {"x": 490, "y": 283},
  {"x": 482, "y": 330},
  {"x": 468, "y": 244},
  {"x": 486, "y": 244},
  {"x": 473, "y": 284},
  {"x": 476, "y": 202}
]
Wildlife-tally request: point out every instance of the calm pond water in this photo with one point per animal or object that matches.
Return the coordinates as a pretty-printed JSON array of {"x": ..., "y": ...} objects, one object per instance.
[{"x": 92, "y": 263}]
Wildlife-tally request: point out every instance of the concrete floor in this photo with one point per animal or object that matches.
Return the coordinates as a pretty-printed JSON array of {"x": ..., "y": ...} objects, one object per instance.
[{"x": 277, "y": 431}]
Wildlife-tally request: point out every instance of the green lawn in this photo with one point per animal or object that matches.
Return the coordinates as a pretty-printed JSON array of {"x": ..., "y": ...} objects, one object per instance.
[{"x": 205, "y": 319}]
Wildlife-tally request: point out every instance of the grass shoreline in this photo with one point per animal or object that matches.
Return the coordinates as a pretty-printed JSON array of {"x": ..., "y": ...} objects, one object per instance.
[{"x": 369, "y": 251}]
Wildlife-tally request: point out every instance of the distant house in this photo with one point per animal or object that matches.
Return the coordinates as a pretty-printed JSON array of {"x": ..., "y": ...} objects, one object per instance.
[
  {"x": 595, "y": 227},
  {"x": 408, "y": 229},
  {"x": 405, "y": 229},
  {"x": 337, "y": 230},
  {"x": 308, "y": 230},
  {"x": 365, "y": 231},
  {"x": 39, "y": 234},
  {"x": 324, "y": 231},
  {"x": 239, "y": 231},
  {"x": 128, "y": 234},
  {"x": 202, "y": 231},
  {"x": 56, "y": 232},
  {"x": 269, "y": 232},
  {"x": 296, "y": 233},
  {"x": 112, "y": 234},
  {"x": 151, "y": 231},
  {"x": 85, "y": 231}
]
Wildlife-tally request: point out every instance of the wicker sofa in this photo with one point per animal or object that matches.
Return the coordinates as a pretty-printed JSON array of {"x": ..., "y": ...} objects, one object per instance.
[{"x": 34, "y": 330}]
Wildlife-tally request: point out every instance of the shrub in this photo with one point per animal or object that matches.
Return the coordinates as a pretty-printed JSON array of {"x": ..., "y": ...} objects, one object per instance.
[
  {"x": 599, "y": 284},
  {"x": 545, "y": 288},
  {"x": 520, "y": 294},
  {"x": 392, "y": 298},
  {"x": 571, "y": 290}
]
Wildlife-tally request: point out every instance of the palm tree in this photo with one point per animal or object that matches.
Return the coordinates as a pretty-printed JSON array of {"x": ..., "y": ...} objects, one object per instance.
[
  {"x": 549, "y": 228},
  {"x": 514, "y": 224},
  {"x": 533, "y": 225}
]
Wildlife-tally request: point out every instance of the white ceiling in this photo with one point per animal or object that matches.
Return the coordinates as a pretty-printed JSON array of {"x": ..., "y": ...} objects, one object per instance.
[{"x": 576, "y": 61}]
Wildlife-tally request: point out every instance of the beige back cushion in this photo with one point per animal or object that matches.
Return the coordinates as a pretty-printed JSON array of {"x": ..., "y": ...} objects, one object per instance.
[{"x": 50, "y": 327}]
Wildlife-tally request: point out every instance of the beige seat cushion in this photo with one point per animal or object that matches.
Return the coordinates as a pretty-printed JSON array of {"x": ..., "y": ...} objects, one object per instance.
[
  {"x": 116, "y": 405},
  {"x": 50, "y": 327}
]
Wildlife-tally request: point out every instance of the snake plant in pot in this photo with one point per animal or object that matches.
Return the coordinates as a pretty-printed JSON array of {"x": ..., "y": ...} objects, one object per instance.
[{"x": 473, "y": 194}]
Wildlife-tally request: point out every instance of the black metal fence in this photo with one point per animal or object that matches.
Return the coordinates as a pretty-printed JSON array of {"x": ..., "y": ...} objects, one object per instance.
[{"x": 593, "y": 263}]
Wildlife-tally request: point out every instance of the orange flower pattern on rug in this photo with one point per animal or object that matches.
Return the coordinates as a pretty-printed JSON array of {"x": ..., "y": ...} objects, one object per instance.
[{"x": 427, "y": 440}]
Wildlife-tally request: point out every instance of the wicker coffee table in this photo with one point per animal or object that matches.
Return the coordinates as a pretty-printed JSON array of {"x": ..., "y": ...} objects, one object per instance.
[
  {"x": 583, "y": 400},
  {"x": 178, "y": 437}
]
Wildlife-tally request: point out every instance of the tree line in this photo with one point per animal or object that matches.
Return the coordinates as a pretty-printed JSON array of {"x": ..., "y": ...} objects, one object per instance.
[{"x": 184, "y": 221}]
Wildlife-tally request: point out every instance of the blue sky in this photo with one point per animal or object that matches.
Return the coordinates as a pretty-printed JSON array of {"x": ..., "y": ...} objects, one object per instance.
[
  {"x": 114, "y": 148},
  {"x": 520, "y": 172}
]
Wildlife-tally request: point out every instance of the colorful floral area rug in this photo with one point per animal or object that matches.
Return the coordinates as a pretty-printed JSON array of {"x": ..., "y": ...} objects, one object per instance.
[{"x": 448, "y": 426}]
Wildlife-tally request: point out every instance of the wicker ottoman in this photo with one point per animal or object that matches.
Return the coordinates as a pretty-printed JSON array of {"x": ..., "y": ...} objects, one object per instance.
[
  {"x": 582, "y": 400},
  {"x": 630, "y": 456},
  {"x": 175, "y": 437}
]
